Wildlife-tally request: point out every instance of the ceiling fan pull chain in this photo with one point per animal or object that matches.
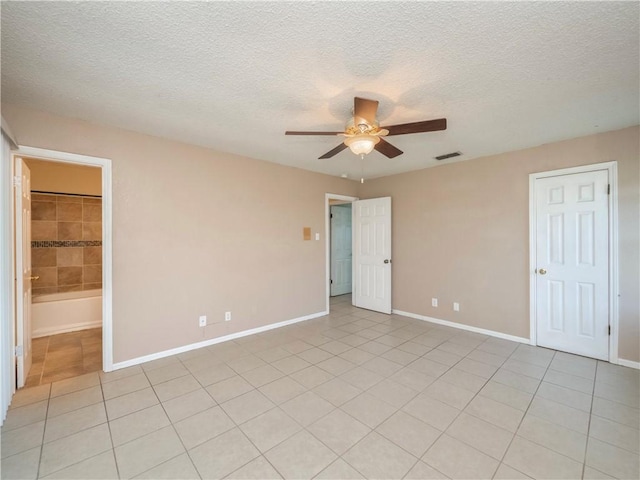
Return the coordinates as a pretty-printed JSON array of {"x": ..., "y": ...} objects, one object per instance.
[{"x": 362, "y": 168}]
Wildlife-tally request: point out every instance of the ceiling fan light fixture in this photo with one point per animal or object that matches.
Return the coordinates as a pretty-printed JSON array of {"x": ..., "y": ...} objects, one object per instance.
[{"x": 362, "y": 144}]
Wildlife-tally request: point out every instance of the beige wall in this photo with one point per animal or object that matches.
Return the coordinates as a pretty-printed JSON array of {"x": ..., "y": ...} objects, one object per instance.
[
  {"x": 64, "y": 178},
  {"x": 198, "y": 232},
  {"x": 461, "y": 234}
]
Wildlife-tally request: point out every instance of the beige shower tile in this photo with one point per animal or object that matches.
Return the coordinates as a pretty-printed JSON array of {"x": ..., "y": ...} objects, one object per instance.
[
  {"x": 43, "y": 257},
  {"x": 92, "y": 231},
  {"x": 69, "y": 212},
  {"x": 69, "y": 231},
  {"x": 44, "y": 230},
  {"x": 69, "y": 276},
  {"x": 43, "y": 211},
  {"x": 69, "y": 257}
]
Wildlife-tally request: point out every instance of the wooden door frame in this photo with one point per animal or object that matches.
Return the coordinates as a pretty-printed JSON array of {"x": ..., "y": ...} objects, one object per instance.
[
  {"x": 612, "y": 169},
  {"x": 327, "y": 235},
  {"x": 107, "y": 222}
]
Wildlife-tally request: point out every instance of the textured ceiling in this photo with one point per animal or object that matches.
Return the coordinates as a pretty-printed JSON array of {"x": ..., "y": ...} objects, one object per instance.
[{"x": 234, "y": 76}]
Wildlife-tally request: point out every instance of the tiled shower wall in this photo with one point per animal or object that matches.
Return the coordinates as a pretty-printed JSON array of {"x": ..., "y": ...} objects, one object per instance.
[{"x": 66, "y": 243}]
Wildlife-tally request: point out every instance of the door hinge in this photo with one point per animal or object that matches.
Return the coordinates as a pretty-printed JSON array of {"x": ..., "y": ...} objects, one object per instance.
[
  {"x": 331, "y": 281},
  {"x": 17, "y": 181},
  {"x": 609, "y": 329},
  {"x": 608, "y": 189},
  {"x": 331, "y": 215},
  {"x": 18, "y": 350}
]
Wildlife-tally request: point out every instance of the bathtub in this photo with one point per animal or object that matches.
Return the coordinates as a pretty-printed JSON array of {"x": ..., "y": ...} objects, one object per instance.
[{"x": 65, "y": 312}]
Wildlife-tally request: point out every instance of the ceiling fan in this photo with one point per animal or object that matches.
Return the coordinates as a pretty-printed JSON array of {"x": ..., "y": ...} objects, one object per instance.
[{"x": 363, "y": 133}]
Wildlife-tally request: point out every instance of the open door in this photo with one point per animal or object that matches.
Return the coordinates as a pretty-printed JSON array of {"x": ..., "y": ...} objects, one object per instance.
[
  {"x": 23, "y": 271},
  {"x": 341, "y": 245},
  {"x": 372, "y": 254}
]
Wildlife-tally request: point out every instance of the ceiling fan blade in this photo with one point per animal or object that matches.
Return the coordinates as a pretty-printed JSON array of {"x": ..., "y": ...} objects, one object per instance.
[
  {"x": 364, "y": 111},
  {"x": 387, "y": 149},
  {"x": 418, "y": 127},
  {"x": 312, "y": 133},
  {"x": 333, "y": 152}
]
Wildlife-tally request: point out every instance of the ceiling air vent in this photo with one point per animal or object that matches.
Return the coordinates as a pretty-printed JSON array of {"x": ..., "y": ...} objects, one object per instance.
[{"x": 448, "y": 155}]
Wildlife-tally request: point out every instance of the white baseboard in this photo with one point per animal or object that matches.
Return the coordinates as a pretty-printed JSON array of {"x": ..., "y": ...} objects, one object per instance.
[
  {"x": 213, "y": 341},
  {"x": 74, "y": 327},
  {"x": 462, "y": 326},
  {"x": 629, "y": 363}
]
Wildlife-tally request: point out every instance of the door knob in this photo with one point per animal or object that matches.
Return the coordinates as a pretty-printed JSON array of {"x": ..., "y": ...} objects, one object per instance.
[
  {"x": 542, "y": 271},
  {"x": 36, "y": 277}
]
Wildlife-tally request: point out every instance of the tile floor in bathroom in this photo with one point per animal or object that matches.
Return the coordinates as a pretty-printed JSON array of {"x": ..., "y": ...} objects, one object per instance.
[
  {"x": 355, "y": 394},
  {"x": 66, "y": 355}
]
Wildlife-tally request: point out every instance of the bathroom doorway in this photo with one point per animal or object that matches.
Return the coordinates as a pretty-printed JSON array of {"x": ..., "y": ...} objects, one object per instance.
[{"x": 62, "y": 328}]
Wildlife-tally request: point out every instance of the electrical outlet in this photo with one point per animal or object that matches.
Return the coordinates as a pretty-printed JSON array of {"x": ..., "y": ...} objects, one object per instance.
[
  {"x": 456, "y": 307},
  {"x": 434, "y": 302},
  {"x": 227, "y": 316},
  {"x": 202, "y": 320}
]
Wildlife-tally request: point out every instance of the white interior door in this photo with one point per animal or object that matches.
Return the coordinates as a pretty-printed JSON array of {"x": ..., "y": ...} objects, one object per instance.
[
  {"x": 341, "y": 249},
  {"x": 572, "y": 274},
  {"x": 372, "y": 254},
  {"x": 23, "y": 271}
]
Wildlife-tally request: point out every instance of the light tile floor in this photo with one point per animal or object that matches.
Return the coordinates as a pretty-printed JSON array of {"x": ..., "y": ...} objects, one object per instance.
[{"x": 355, "y": 394}]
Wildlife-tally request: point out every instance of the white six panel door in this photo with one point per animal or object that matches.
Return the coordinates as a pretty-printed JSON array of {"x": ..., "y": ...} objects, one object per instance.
[
  {"x": 572, "y": 254},
  {"x": 23, "y": 269},
  {"x": 372, "y": 254},
  {"x": 341, "y": 256}
]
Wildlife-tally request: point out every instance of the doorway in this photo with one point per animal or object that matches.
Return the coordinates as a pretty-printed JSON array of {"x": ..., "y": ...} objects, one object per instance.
[
  {"x": 66, "y": 330},
  {"x": 573, "y": 261},
  {"x": 341, "y": 249}
]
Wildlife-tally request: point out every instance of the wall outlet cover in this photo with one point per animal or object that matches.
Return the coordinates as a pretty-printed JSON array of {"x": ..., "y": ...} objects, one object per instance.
[{"x": 202, "y": 320}]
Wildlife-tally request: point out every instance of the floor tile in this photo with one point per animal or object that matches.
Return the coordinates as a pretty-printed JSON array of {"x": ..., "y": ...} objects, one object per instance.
[
  {"x": 516, "y": 380},
  {"x": 106, "y": 377},
  {"x": 339, "y": 469},
  {"x": 392, "y": 392},
  {"x": 357, "y": 356},
  {"x": 73, "y": 401},
  {"x": 69, "y": 450},
  {"x": 560, "y": 414},
  {"x": 273, "y": 354},
  {"x": 581, "y": 384},
  {"x": 574, "y": 365},
  {"x": 214, "y": 374},
  {"x": 593, "y": 474},
  {"x": 448, "y": 393},
  {"x": 629, "y": 396},
  {"x": 311, "y": 377},
  {"x": 22, "y": 439},
  {"x": 28, "y": 396},
  {"x": 337, "y": 391},
  {"x": 457, "y": 460},
  {"x": 269, "y": 429},
  {"x": 540, "y": 462},
  {"x": 428, "y": 367},
  {"x": 257, "y": 469},
  {"x": 338, "y": 431},
  {"x": 409, "y": 433},
  {"x": 74, "y": 422},
  {"x": 301, "y": 456},
  {"x": 376, "y": 457},
  {"x": 368, "y": 409},
  {"x": 486, "y": 357},
  {"x": 565, "y": 396},
  {"x": 361, "y": 378},
  {"x": 178, "y": 468},
  {"x": 164, "y": 374},
  {"x": 282, "y": 390},
  {"x": 627, "y": 438},
  {"x": 246, "y": 363},
  {"x": 137, "y": 424},
  {"x": 203, "y": 426},
  {"x": 144, "y": 453},
  {"x": 315, "y": 355},
  {"x": 74, "y": 384},
  {"x": 481, "y": 435},
  {"x": 262, "y": 375},
  {"x": 412, "y": 379},
  {"x": 477, "y": 368},
  {"x": 422, "y": 471},
  {"x": 554, "y": 437},
  {"x": 307, "y": 408},
  {"x": 382, "y": 366},
  {"x": 187, "y": 405},
  {"x": 23, "y": 465},
  {"x": 617, "y": 412},
  {"x": 247, "y": 406},
  {"x": 132, "y": 402},
  {"x": 431, "y": 411},
  {"x": 505, "y": 472},
  {"x": 494, "y": 412},
  {"x": 509, "y": 396},
  {"x": 336, "y": 365},
  {"x": 446, "y": 358},
  {"x": 125, "y": 385},
  {"x": 230, "y": 388},
  {"x": 289, "y": 365},
  {"x": 176, "y": 387},
  {"x": 102, "y": 466}
]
